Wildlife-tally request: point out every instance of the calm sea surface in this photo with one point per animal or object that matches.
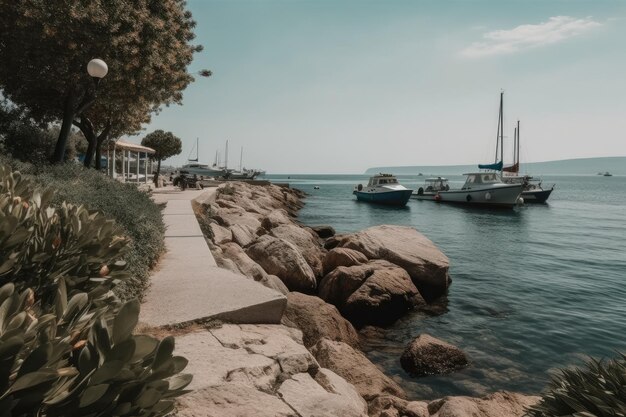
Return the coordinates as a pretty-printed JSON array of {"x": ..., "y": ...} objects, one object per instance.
[{"x": 535, "y": 288}]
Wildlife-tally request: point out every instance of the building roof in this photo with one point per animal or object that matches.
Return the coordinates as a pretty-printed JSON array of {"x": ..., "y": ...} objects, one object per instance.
[{"x": 133, "y": 147}]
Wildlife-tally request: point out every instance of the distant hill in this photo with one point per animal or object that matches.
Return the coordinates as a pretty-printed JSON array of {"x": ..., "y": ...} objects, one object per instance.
[{"x": 584, "y": 166}]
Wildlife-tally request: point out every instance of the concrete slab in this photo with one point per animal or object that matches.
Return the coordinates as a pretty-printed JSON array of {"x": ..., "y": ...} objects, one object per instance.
[
  {"x": 175, "y": 207},
  {"x": 188, "y": 286},
  {"x": 182, "y": 225}
]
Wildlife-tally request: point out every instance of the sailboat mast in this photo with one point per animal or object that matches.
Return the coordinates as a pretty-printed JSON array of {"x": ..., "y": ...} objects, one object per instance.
[
  {"x": 517, "y": 147},
  {"x": 241, "y": 160},
  {"x": 502, "y": 128},
  {"x": 226, "y": 156}
]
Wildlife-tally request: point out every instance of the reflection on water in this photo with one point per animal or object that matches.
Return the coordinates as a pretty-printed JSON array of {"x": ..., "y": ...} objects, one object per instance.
[{"x": 533, "y": 288}]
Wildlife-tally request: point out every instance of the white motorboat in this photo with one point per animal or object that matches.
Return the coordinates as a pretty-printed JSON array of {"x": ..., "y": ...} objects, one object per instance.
[
  {"x": 483, "y": 189},
  {"x": 430, "y": 189},
  {"x": 193, "y": 167},
  {"x": 383, "y": 189}
]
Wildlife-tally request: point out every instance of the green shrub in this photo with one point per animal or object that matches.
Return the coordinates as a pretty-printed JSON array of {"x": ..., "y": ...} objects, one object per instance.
[
  {"x": 66, "y": 345},
  {"x": 42, "y": 245},
  {"x": 597, "y": 390},
  {"x": 138, "y": 216},
  {"x": 80, "y": 358}
]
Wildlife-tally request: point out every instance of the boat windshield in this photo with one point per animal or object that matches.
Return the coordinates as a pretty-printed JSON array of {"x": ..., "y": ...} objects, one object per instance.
[
  {"x": 487, "y": 178},
  {"x": 382, "y": 181}
]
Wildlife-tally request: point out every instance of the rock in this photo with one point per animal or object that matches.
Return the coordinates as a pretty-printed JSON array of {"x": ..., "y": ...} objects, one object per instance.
[
  {"x": 244, "y": 263},
  {"x": 242, "y": 235},
  {"x": 278, "y": 343},
  {"x": 273, "y": 282},
  {"x": 324, "y": 232},
  {"x": 308, "y": 246},
  {"x": 407, "y": 248},
  {"x": 232, "y": 400},
  {"x": 374, "y": 293},
  {"x": 237, "y": 216},
  {"x": 499, "y": 404},
  {"x": 220, "y": 234},
  {"x": 390, "y": 406},
  {"x": 308, "y": 398},
  {"x": 318, "y": 319},
  {"x": 342, "y": 257},
  {"x": 281, "y": 258},
  {"x": 427, "y": 355},
  {"x": 275, "y": 218},
  {"x": 355, "y": 368},
  {"x": 332, "y": 382}
]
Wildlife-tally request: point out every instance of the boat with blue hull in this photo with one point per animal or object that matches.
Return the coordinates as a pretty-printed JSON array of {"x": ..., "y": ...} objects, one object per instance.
[{"x": 383, "y": 189}]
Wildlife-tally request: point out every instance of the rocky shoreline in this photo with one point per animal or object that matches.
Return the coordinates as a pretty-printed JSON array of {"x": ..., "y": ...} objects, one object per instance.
[{"x": 336, "y": 284}]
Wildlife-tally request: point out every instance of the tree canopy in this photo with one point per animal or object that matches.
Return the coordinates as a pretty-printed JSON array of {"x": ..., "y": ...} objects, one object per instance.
[
  {"x": 165, "y": 144},
  {"x": 45, "y": 47}
]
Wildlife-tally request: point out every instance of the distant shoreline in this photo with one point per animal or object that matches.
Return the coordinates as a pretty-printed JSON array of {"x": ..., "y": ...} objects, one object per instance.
[{"x": 576, "y": 166}]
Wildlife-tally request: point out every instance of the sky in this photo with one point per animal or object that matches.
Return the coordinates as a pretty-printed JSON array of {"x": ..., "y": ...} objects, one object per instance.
[{"x": 340, "y": 86}]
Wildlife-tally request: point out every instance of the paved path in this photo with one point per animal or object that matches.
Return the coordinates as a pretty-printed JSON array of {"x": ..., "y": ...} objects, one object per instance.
[{"x": 187, "y": 285}]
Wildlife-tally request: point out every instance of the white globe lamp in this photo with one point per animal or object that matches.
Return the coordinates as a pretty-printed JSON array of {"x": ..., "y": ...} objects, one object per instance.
[{"x": 97, "y": 68}]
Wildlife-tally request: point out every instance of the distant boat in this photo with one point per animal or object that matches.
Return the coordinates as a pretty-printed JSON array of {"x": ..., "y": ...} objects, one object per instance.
[
  {"x": 431, "y": 187},
  {"x": 242, "y": 173},
  {"x": 531, "y": 188},
  {"x": 383, "y": 189},
  {"x": 194, "y": 167},
  {"x": 533, "y": 191},
  {"x": 480, "y": 189},
  {"x": 607, "y": 174}
]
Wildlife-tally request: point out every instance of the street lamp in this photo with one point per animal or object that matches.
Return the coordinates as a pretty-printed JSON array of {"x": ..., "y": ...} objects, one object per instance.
[{"x": 97, "y": 69}]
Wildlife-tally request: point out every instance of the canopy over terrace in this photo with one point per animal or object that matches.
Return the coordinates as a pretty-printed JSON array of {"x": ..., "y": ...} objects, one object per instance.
[{"x": 131, "y": 156}]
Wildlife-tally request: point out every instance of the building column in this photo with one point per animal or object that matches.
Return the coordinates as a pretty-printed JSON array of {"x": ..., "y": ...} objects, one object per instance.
[
  {"x": 145, "y": 167},
  {"x": 123, "y": 165},
  {"x": 138, "y": 159},
  {"x": 128, "y": 168},
  {"x": 113, "y": 174}
]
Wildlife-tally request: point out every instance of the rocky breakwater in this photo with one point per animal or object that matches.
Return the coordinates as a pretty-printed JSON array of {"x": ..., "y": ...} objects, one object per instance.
[{"x": 334, "y": 284}]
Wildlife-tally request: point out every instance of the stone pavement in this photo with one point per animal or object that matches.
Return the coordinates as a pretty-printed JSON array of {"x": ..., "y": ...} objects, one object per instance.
[{"x": 188, "y": 286}]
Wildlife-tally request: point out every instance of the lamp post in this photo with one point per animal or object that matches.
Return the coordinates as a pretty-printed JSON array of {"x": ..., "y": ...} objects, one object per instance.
[{"x": 97, "y": 69}]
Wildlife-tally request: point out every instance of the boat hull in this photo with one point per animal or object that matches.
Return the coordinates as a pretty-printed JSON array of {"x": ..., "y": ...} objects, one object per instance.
[
  {"x": 536, "y": 196},
  {"x": 504, "y": 196},
  {"x": 390, "y": 198}
]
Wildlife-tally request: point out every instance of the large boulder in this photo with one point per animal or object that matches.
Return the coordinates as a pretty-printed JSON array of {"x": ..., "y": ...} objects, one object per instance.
[
  {"x": 378, "y": 292},
  {"x": 275, "y": 218},
  {"x": 281, "y": 258},
  {"x": 318, "y": 319},
  {"x": 390, "y": 406},
  {"x": 355, "y": 368},
  {"x": 499, "y": 404},
  {"x": 426, "y": 355},
  {"x": 308, "y": 246},
  {"x": 407, "y": 248},
  {"x": 220, "y": 234},
  {"x": 242, "y": 234},
  {"x": 342, "y": 257},
  {"x": 324, "y": 232}
]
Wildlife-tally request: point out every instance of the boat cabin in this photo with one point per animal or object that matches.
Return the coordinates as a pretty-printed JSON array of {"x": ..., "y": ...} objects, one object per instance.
[
  {"x": 437, "y": 184},
  {"x": 382, "y": 179},
  {"x": 479, "y": 178}
]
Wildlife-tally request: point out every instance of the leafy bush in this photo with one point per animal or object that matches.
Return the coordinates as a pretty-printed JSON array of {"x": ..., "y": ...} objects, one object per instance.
[
  {"x": 66, "y": 345},
  {"x": 133, "y": 210},
  {"x": 81, "y": 359},
  {"x": 42, "y": 245},
  {"x": 597, "y": 390}
]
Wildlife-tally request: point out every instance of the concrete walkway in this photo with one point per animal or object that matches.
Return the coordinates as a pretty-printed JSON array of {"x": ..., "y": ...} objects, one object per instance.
[{"x": 187, "y": 285}]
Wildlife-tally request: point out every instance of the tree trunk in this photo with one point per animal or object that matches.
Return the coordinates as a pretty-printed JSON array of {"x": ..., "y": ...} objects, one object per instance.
[
  {"x": 66, "y": 127},
  {"x": 102, "y": 137},
  {"x": 89, "y": 133},
  {"x": 156, "y": 175}
]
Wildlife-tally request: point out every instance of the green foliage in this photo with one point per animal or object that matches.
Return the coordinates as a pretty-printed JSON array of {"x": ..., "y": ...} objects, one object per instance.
[
  {"x": 597, "y": 390},
  {"x": 134, "y": 212},
  {"x": 164, "y": 143},
  {"x": 67, "y": 346},
  {"x": 42, "y": 245},
  {"x": 226, "y": 190},
  {"x": 80, "y": 358}
]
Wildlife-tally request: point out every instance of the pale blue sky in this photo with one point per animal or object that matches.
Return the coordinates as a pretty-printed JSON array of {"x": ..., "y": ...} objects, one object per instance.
[{"x": 339, "y": 86}]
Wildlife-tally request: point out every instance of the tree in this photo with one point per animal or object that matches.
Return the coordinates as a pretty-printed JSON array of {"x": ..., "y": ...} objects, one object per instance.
[
  {"x": 165, "y": 144},
  {"x": 45, "y": 47}
]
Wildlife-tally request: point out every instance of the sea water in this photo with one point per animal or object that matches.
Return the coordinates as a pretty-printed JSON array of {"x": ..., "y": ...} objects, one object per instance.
[{"x": 534, "y": 289}]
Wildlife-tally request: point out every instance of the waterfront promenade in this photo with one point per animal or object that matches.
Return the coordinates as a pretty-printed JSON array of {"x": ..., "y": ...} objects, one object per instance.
[{"x": 187, "y": 285}]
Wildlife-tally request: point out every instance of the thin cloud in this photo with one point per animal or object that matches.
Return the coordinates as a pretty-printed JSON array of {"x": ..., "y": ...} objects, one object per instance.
[{"x": 520, "y": 38}]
